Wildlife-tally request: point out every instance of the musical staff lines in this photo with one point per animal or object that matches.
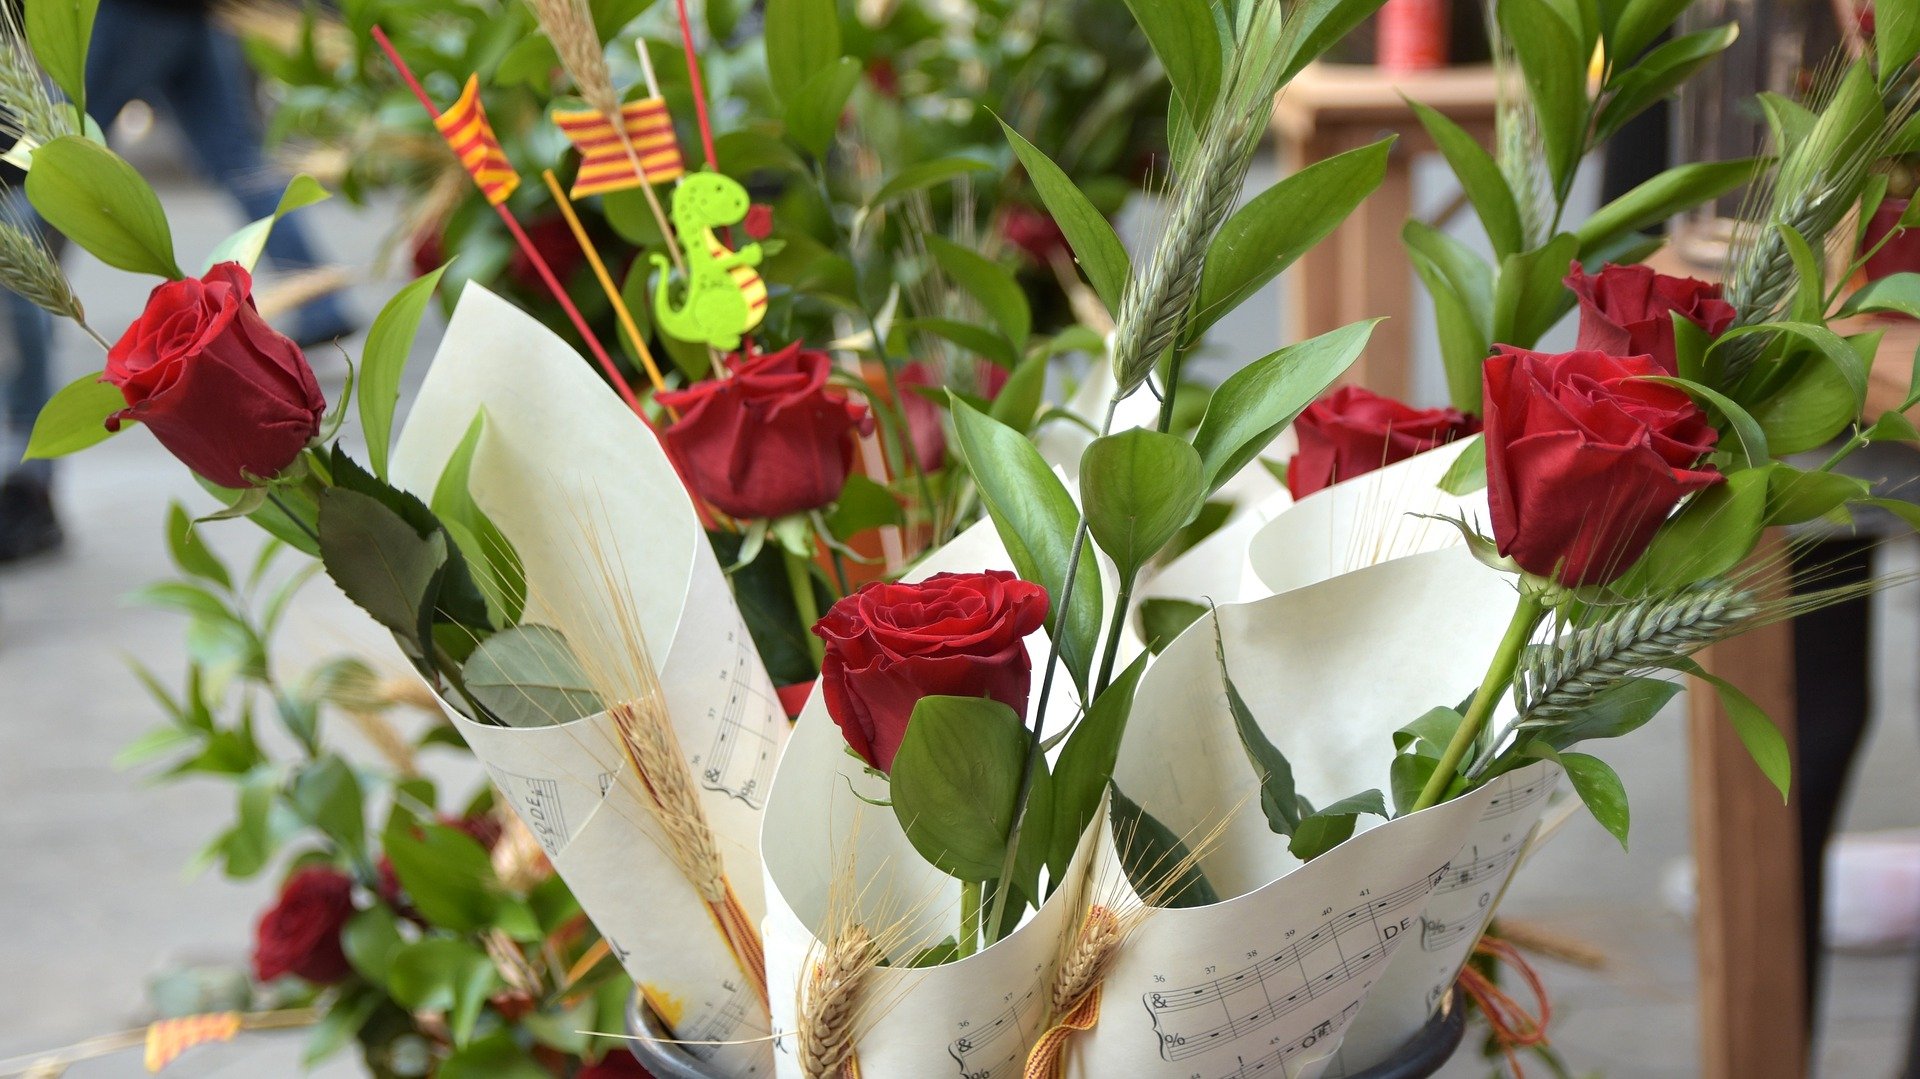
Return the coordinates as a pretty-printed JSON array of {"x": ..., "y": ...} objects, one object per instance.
[
  {"x": 706, "y": 1036},
  {"x": 1195, "y": 1018},
  {"x": 1278, "y": 1064},
  {"x": 985, "y": 1049},
  {"x": 740, "y": 759},
  {"x": 1480, "y": 870},
  {"x": 1512, "y": 799}
]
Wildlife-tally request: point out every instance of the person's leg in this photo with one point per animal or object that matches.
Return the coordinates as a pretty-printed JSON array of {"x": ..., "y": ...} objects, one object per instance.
[
  {"x": 134, "y": 48},
  {"x": 213, "y": 104},
  {"x": 28, "y": 525},
  {"x": 1832, "y": 692}
]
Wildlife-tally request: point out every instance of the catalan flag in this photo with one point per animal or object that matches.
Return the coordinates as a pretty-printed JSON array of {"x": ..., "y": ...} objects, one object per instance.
[
  {"x": 748, "y": 281},
  {"x": 168, "y": 1038},
  {"x": 465, "y": 128},
  {"x": 604, "y": 163}
]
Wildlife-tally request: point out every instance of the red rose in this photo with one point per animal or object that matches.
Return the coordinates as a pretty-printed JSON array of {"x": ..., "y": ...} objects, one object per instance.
[
  {"x": 617, "y": 1064},
  {"x": 553, "y": 238},
  {"x": 300, "y": 933},
  {"x": 1351, "y": 431},
  {"x": 759, "y": 221},
  {"x": 1585, "y": 459},
  {"x": 1628, "y": 311},
  {"x": 770, "y": 440},
  {"x": 223, "y": 391},
  {"x": 925, "y": 426},
  {"x": 1033, "y": 232},
  {"x": 953, "y": 634}
]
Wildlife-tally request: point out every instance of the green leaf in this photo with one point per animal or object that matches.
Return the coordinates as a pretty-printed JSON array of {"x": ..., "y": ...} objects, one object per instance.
[
  {"x": 1258, "y": 401},
  {"x": 496, "y": 1056},
  {"x": 1095, "y": 245},
  {"x": 1162, "y": 619},
  {"x": 1794, "y": 496},
  {"x": 813, "y": 111},
  {"x": 1468, "y": 472},
  {"x": 246, "y": 245},
  {"x": 1036, "y": 520},
  {"x": 983, "y": 341},
  {"x": 1816, "y": 404},
  {"x": 1461, "y": 286},
  {"x": 863, "y": 504},
  {"x": 190, "y": 553},
  {"x": 926, "y": 174},
  {"x": 1639, "y": 24},
  {"x": 98, "y": 201},
  {"x": 1747, "y": 430},
  {"x": 528, "y": 676},
  {"x": 955, "y": 779},
  {"x": 1279, "y": 225},
  {"x": 1315, "y": 25},
  {"x": 328, "y": 795},
  {"x": 383, "y": 360},
  {"x": 371, "y": 939},
  {"x": 1896, "y": 292},
  {"x": 1183, "y": 36},
  {"x": 1660, "y": 75},
  {"x": 1621, "y": 710},
  {"x": 802, "y": 39},
  {"x": 1763, "y": 740},
  {"x": 1599, "y": 787},
  {"x": 1019, "y": 400},
  {"x": 1714, "y": 531},
  {"x": 1479, "y": 177},
  {"x": 496, "y": 565},
  {"x": 1085, "y": 765},
  {"x": 1322, "y": 831},
  {"x": 1554, "y": 65},
  {"x": 1530, "y": 296},
  {"x": 1892, "y": 427},
  {"x": 272, "y": 517},
  {"x": 339, "y": 1026},
  {"x": 457, "y": 598},
  {"x": 1429, "y": 735},
  {"x": 74, "y": 418},
  {"x": 1139, "y": 487},
  {"x": 386, "y": 567},
  {"x": 1409, "y": 776},
  {"x": 447, "y": 875},
  {"x": 1157, "y": 863},
  {"x": 1896, "y": 36},
  {"x": 1278, "y": 798},
  {"x": 987, "y": 282},
  {"x": 58, "y": 32},
  {"x": 1665, "y": 195}
]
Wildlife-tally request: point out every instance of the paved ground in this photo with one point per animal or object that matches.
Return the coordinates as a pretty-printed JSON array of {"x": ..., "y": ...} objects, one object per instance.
[{"x": 94, "y": 899}]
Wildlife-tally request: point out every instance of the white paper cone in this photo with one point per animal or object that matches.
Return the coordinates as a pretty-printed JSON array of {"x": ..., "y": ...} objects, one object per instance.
[{"x": 561, "y": 457}]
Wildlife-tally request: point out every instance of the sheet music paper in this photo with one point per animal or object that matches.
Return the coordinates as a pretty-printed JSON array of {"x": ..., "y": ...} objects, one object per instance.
[{"x": 561, "y": 455}]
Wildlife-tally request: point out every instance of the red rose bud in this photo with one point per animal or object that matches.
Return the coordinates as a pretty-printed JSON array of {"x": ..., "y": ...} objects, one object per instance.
[
  {"x": 759, "y": 221},
  {"x": 617, "y": 1064},
  {"x": 300, "y": 933},
  {"x": 553, "y": 238},
  {"x": 1351, "y": 431},
  {"x": 953, "y": 634},
  {"x": 771, "y": 440},
  {"x": 1585, "y": 459},
  {"x": 224, "y": 392},
  {"x": 925, "y": 424},
  {"x": 1628, "y": 311},
  {"x": 1033, "y": 232}
]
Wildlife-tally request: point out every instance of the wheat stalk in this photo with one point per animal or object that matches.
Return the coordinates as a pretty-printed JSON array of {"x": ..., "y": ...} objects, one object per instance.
[
  {"x": 27, "y": 265},
  {"x": 1087, "y": 958},
  {"x": 832, "y": 1001},
  {"x": 28, "y": 111},
  {"x": 569, "y": 25},
  {"x": 1565, "y": 675}
]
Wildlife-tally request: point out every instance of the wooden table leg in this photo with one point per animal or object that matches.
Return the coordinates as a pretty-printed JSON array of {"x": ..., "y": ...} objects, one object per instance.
[
  {"x": 1311, "y": 298},
  {"x": 1746, "y": 844},
  {"x": 1378, "y": 279}
]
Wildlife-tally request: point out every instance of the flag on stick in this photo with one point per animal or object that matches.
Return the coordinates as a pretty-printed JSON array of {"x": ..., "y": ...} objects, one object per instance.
[
  {"x": 464, "y": 126},
  {"x": 605, "y": 163}
]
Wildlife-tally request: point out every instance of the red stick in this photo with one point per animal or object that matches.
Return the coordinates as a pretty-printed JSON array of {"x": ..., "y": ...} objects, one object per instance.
[
  {"x": 526, "y": 247},
  {"x": 699, "y": 88}
]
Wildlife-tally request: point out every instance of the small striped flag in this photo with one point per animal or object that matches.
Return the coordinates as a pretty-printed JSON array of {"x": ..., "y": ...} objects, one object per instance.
[
  {"x": 168, "y": 1038},
  {"x": 465, "y": 128},
  {"x": 604, "y": 164},
  {"x": 749, "y": 282}
]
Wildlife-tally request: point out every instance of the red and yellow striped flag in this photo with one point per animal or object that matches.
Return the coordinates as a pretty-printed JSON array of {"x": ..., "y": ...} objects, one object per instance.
[
  {"x": 168, "y": 1038},
  {"x": 604, "y": 164},
  {"x": 464, "y": 126}
]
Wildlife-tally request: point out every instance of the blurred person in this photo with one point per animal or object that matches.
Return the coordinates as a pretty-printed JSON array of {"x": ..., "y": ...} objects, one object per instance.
[
  {"x": 28, "y": 524},
  {"x": 174, "y": 54}
]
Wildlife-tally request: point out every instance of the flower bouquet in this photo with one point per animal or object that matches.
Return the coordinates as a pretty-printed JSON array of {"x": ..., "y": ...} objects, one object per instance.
[{"x": 1061, "y": 801}]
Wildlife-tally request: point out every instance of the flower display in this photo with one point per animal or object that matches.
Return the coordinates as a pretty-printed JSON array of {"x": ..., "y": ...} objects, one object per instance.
[
  {"x": 1352, "y": 431},
  {"x": 888, "y": 645},
  {"x": 1586, "y": 458},
  {"x": 300, "y": 933},
  {"x": 770, "y": 439},
  {"x": 1628, "y": 310},
  {"x": 227, "y": 394}
]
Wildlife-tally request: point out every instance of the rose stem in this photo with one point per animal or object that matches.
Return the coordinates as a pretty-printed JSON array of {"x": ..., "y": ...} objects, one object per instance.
[
  {"x": 969, "y": 938},
  {"x": 1526, "y": 618},
  {"x": 1036, "y": 749},
  {"x": 800, "y": 579}
]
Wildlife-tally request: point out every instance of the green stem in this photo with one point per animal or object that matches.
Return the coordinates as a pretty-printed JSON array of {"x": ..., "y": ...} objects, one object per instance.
[
  {"x": 299, "y": 522},
  {"x": 1526, "y": 618},
  {"x": 800, "y": 579},
  {"x": 1114, "y": 626},
  {"x": 969, "y": 936},
  {"x": 1173, "y": 388}
]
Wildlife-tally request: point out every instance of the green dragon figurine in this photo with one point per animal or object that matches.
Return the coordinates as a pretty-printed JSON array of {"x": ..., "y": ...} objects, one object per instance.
[{"x": 725, "y": 297}]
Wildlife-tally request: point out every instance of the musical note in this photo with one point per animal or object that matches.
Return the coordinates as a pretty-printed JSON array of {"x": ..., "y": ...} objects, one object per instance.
[
  {"x": 703, "y": 1035},
  {"x": 1512, "y": 799},
  {"x": 1276, "y": 1063},
  {"x": 1337, "y": 951},
  {"x": 985, "y": 1049},
  {"x": 740, "y": 759}
]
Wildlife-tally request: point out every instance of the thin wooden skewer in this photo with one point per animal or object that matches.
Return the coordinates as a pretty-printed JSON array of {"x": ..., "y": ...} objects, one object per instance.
[{"x": 614, "y": 297}]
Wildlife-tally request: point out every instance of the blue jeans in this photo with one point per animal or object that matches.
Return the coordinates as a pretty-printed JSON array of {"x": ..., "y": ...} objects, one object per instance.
[
  {"x": 29, "y": 386},
  {"x": 180, "y": 60}
]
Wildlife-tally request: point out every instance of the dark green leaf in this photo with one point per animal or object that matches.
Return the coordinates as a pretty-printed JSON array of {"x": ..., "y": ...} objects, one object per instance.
[
  {"x": 75, "y": 418},
  {"x": 1896, "y": 36},
  {"x": 1316, "y": 25},
  {"x": 1095, "y": 245},
  {"x": 1278, "y": 799},
  {"x": 1158, "y": 864},
  {"x": 1036, "y": 520},
  {"x": 1139, "y": 488},
  {"x": 380, "y": 561},
  {"x": 802, "y": 39},
  {"x": 955, "y": 779},
  {"x": 1554, "y": 64},
  {"x": 1714, "y": 531},
  {"x": 447, "y": 877},
  {"x": 813, "y": 111},
  {"x": 1162, "y": 619},
  {"x": 1794, "y": 496},
  {"x": 1258, "y": 401},
  {"x": 1461, "y": 286},
  {"x": 1184, "y": 38},
  {"x": 1750, "y": 723},
  {"x": 1479, "y": 177},
  {"x": 863, "y": 504},
  {"x": 328, "y": 795},
  {"x": 926, "y": 174},
  {"x": 1019, "y": 400},
  {"x": 528, "y": 676},
  {"x": 1621, "y": 710},
  {"x": 371, "y": 939},
  {"x": 1409, "y": 775},
  {"x": 384, "y": 358},
  {"x": 1639, "y": 24},
  {"x": 98, "y": 201},
  {"x": 1333, "y": 825},
  {"x": 1659, "y": 75},
  {"x": 1599, "y": 787},
  {"x": 982, "y": 341},
  {"x": 1665, "y": 195},
  {"x": 1816, "y": 404},
  {"x": 1751, "y": 435},
  {"x": 987, "y": 282},
  {"x": 1530, "y": 297},
  {"x": 1085, "y": 766}
]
